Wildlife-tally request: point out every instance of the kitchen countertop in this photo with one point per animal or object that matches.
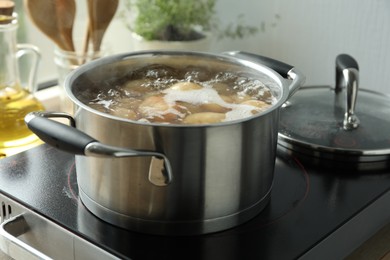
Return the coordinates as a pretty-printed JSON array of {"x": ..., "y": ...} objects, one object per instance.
[
  {"x": 377, "y": 247},
  {"x": 3, "y": 256}
]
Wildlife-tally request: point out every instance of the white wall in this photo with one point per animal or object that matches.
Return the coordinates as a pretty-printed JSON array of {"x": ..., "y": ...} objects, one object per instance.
[
  {"x": 311, "y": 33},
  {"x": 308, "y": 34}
]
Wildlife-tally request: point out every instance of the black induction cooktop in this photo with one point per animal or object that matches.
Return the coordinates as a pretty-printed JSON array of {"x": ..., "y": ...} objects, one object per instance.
[{"x": 314, "y": 212}]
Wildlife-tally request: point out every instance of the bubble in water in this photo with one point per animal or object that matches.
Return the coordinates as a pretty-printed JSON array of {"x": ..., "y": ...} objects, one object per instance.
[{"x": 196, "y": 74}]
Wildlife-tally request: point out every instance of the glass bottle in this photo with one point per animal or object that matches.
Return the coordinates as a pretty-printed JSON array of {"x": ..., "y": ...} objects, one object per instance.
[{"x": 15, "y": 100}]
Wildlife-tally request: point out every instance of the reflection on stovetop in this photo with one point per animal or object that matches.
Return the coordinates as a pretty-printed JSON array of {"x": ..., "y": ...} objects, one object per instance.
[{"x": 309, "y": 209}]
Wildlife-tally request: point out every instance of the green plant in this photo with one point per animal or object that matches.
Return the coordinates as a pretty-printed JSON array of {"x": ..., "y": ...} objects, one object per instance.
[{"x": 179, "y": 20}]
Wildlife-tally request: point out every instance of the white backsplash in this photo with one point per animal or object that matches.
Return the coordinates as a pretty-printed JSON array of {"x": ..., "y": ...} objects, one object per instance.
[{"x": 308, "y": 34}]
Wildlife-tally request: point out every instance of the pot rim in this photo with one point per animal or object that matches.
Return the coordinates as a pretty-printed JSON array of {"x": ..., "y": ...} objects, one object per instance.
[{"x": 278, "y": 79}]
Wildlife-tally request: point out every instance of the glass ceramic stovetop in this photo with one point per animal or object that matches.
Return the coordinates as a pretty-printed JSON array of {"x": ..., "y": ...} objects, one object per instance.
[{"x": 313, "y": 213}]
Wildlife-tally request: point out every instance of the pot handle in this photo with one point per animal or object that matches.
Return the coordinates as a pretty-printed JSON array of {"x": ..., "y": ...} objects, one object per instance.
[
  {"x": 59, "y": 135},
  {"x": 285, "y": 70},
  {"x": 278, "y": 66},
  {"x": 72, "y": 140}
]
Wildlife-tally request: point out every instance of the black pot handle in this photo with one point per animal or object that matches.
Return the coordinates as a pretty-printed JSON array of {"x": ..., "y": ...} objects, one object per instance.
[
  {"x": 280, "y": 67},
  {"x": 72, "y": 140},
  {"x": 56, "y": 134}
]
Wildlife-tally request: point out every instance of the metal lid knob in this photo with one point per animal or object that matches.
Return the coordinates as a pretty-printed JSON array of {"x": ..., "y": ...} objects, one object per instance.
[{"x": 347, "y": 76}]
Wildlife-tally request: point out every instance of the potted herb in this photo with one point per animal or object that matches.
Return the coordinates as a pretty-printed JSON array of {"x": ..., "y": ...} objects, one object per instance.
[{"x": 174, "y": 22}]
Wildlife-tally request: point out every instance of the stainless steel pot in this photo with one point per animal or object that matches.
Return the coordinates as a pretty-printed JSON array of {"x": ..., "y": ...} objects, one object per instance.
[{"x": 171, "y": 179}]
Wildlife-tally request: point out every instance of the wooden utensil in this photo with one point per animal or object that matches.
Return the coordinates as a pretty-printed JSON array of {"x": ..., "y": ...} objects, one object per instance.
[
  {"x": 45, "y": 15},
  {"x": 100, "y": 13},
  {"x": 66, "y": 12}
]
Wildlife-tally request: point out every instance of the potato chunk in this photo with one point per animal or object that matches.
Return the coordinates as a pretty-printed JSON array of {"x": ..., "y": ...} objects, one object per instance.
[
  {"x": 155, "y": 108},
  {"x": 185, "y": 86},
  {"x": 204, "y": 118},
  {"x": 255, "y": 103}
]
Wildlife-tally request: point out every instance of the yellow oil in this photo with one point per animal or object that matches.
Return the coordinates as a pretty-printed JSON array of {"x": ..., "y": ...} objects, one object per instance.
[{"x": 15, "y": 103}]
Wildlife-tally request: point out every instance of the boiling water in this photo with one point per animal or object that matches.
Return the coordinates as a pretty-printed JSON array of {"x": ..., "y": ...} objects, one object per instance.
[
  {"x": 15, "y": 103},
  {"x": 159, "y": 93}
]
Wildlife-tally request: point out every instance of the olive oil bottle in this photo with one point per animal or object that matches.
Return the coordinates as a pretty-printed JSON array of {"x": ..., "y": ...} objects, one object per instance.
[
  {"x": 14, "y": 105},
  {"x": 15, "y": 100}
]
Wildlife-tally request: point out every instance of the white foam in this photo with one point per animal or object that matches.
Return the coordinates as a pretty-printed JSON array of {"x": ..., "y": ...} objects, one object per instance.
[
  {"x": 196, "y": 96},
  {"x": 209, "y": 95}
]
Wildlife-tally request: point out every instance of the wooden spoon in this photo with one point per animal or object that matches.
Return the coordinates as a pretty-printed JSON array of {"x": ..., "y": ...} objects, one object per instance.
[
  {"x": 100, "y": 13},
  {"x": 43, "y": 13},
  {"x": 66, "y": 12}
]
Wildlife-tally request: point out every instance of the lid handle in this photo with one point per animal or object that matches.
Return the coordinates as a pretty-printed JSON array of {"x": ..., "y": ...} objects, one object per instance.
[{"x": 347, "y": 76}]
